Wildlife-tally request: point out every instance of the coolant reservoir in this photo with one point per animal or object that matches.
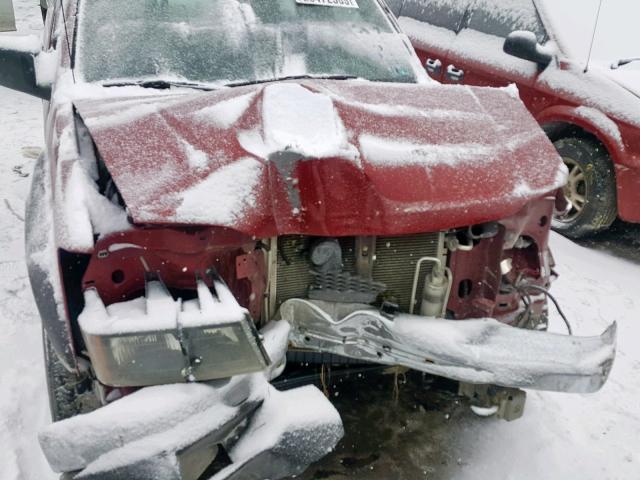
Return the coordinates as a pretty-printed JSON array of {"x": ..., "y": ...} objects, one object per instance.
[{"x": 434, "y": 293}]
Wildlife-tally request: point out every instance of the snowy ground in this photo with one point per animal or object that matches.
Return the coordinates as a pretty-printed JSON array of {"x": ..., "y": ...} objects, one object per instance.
[
  {"x": 575, "y": 436},
  {"x": 560, "y": 436}
]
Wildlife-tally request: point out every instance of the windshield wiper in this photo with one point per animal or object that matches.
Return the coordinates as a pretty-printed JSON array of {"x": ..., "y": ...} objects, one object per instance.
[
  {"x": 624, "y": 61},
  {"x": 293, "y": 77},
  {"x": 159, "y": 84},
  {"x": 166, "y": 84}
]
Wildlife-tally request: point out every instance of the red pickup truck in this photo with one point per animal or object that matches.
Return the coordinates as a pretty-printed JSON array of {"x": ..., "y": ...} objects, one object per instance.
[{"x": 227, "y": 184}]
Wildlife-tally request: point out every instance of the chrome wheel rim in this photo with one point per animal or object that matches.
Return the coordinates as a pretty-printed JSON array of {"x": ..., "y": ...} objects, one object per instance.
[{"x": 575, "y": 191}]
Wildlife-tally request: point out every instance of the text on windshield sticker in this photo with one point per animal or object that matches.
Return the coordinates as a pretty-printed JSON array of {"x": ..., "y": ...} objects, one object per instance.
[{"x": 330, "y": 3}]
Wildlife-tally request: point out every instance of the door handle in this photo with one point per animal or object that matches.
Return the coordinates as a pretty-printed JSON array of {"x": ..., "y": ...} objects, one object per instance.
[
  {"x": 454, "y": 73},
  {"x": 433, "y": 66}
]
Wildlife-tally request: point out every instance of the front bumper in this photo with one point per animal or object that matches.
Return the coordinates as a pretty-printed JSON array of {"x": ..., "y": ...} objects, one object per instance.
[
  {"x": 174, "y": 431},
  {"x": 480, "y": 351}
]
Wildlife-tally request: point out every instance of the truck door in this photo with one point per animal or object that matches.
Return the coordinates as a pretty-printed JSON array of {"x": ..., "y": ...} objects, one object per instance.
[
  {"x": 476, "y": 56},
  {"x": 432, "y": 26}
]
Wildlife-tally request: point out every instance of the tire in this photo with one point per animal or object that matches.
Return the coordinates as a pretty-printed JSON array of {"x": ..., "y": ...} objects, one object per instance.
[
  {"x": 69, "y": 393},
  {"x": 591, "y": 188}
]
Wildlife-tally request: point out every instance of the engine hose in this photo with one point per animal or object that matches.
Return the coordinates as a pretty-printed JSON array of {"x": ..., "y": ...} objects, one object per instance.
[{"x": 555, "y": 302}]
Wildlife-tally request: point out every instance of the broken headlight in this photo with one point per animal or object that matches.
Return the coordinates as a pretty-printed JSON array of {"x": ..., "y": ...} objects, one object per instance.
[{"x": 155, "y": 339}]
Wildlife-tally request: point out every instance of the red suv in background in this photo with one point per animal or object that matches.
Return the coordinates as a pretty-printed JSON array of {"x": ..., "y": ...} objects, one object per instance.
[{"x": 589, "y": 108}]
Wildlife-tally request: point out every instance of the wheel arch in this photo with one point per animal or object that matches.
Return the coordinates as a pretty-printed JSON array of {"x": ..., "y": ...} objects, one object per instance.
[{"x": 564, "y": 121}]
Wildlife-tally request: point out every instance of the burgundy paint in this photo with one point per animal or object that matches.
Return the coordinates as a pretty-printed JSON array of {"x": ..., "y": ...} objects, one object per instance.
[
  {"x": 481, "y": 266},
  {"x": 338, "y": 197},
  {"x": 550, "y": 106},
  {"x": 117, "y": 268}
]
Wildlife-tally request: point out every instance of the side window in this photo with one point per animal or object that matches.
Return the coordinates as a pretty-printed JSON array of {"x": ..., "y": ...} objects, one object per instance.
[
  {"x": 439, "y": 13},
  {"x": 500, "y": 18}
]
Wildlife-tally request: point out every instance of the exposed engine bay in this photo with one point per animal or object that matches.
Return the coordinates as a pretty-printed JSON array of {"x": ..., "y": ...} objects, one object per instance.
[
  {"x": 199, "y": 306},
  {"x": 193, "y": 311}
]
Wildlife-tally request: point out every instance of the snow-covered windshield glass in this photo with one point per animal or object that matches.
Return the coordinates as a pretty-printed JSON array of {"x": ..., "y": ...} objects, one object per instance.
[
  {"x": 235, "y": 41},
  {"x": 617, "y": 36}
]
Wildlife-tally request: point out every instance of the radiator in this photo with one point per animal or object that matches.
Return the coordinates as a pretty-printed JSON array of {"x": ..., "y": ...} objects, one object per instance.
[{"x": 394, "y": 264}]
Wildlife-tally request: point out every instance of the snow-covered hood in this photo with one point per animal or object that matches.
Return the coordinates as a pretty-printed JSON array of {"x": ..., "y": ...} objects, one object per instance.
[{"x": 324, "y": 157}]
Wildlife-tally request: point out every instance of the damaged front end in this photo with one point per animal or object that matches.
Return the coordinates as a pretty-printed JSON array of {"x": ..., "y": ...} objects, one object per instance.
[
  {"x": 467, "y": 304},
  {"x": 181, "y": 371},
  {"x": 184, "y": 289},
  {"x": 175, "y": 431},
  {"x": 459, "y": 303},
  {"x": 479, "y": 351}
]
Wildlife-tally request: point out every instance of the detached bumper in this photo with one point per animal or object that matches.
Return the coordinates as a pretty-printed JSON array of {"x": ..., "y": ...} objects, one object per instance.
[
  {"x": 481, "y": 351},
  {"x": 173, "y": 432}
]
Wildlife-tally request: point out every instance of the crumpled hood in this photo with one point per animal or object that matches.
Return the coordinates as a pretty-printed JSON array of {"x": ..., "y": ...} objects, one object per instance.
[{"x": 324, "y": 157}]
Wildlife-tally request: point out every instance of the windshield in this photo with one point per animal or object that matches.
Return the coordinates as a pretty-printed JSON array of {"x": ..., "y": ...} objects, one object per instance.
[
  {"x": 617, "y": 36},
  {"x": 236, "y": 41}
]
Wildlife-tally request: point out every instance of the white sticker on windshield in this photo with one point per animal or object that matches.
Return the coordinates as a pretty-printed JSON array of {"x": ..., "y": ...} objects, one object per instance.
[{"x": 330, "y": 3}]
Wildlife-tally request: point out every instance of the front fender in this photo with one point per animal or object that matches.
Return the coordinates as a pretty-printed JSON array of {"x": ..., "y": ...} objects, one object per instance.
[{"x": 43, "y": 265}]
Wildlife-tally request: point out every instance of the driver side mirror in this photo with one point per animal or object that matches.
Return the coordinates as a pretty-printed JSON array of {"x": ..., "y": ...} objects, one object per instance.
[
  {"x": 523, "y": 44},
  {"x": 18, "y": 65}
]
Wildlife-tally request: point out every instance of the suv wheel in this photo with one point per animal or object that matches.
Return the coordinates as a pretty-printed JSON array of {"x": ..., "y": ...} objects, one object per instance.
[{"x": 590, "y": 189}]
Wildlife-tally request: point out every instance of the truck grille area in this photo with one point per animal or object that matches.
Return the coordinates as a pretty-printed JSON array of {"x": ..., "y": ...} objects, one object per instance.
[{"x": 394, "y": 263}]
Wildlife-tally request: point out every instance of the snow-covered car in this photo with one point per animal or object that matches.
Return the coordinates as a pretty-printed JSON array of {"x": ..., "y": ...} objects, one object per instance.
[
  {"x": 227, "y": 183},
  {"x": 587, "y": 102}
]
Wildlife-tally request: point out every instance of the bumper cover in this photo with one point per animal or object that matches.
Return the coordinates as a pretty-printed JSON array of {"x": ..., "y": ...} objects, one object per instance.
[
  {"x": 173, "y": 431},
  {"x": 481, "y": 351}
]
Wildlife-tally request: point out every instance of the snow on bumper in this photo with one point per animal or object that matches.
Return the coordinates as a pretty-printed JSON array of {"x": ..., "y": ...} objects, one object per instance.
[
  {"x": 481, "y": 351},
  {"x": 173, "y": 431}
]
